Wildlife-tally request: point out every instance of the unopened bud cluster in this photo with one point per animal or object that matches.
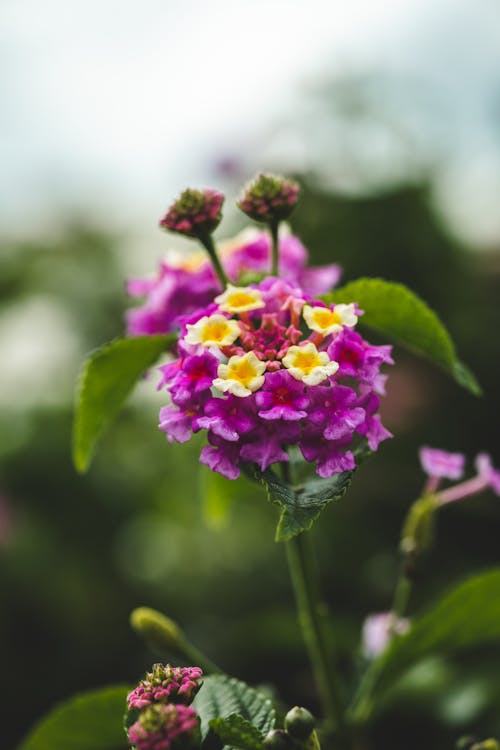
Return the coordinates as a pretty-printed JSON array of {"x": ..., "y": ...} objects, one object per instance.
[
  {"x": 164, "y": 726},
  {"x": 196, "y": 213},
  {"x": 160, "y": 706},
  {"x": 269, "y": 198}
]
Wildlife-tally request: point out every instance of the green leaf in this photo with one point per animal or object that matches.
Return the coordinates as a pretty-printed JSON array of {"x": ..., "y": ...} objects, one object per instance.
[
  {"x": 106, "y": 379},
  {"x": 235, "y": 731},
  {"x": 395, "y": 311},
  {"x": 301, "y": 506},
  {"x": 221, "y": 696},
  {"x": 90, "y": 721},
  {"x": 466, "y": 617}
]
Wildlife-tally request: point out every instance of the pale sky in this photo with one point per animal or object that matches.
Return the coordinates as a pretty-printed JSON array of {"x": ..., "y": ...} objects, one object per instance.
[{"x": 112, "y": 107}]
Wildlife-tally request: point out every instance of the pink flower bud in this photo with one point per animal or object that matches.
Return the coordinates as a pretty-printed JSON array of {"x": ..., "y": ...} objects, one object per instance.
[
  {"x": 196, "y": 213},
  {"x": 269, "y": 199}
]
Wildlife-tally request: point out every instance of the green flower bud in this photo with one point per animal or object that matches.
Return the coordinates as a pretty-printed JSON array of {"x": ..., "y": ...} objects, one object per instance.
[
  {"x": 161, "y": 633},
  {"x": 299, "y": 722}
]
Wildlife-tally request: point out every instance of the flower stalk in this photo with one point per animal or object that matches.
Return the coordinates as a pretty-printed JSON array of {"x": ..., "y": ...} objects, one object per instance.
[{"x": 300, "y": 564}]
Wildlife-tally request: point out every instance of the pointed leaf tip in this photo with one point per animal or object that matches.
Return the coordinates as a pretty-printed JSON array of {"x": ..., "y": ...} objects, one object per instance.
[
  {"x": 106, "y": 379},
  {"x": 398, "y": 313}
]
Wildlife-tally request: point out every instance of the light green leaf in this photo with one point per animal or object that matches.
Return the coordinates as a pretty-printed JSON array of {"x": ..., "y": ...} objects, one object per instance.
[
  {"x": 90, "y": 721},
  {"x": 235, "y": 731},
  {"x": 221, "y": 696},
  {"x": 301, "y": 506},
  {"x": 466, "y": 617},
  {"x": 395, "y": 311},
  {"x": 106, "y": 379}
]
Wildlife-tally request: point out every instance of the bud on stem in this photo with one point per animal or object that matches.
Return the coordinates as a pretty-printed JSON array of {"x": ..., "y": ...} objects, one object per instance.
[
  {"x": 270, "y": 199},
  {"x": 197, "y": 213},
  {"x": 165, "y": 638}
]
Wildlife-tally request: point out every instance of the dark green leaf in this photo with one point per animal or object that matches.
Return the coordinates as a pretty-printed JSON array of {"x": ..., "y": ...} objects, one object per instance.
[
  {"x": 221, "y": 696},
  {"x": 91, "y": 721},
  {"x": 468, "y": 616},
  {"x": 106, "y": 379},
  {"x": 395, "y": 311},
  {"x": 235, "y": 731},
  {"x": 301, "y": 506}
]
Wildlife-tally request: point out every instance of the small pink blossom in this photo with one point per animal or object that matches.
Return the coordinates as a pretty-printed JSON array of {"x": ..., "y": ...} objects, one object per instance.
[
  {"x": 378, "y": 630},
  {"x": 487, "y": 472},
  {"x": 441, "y": 464}
]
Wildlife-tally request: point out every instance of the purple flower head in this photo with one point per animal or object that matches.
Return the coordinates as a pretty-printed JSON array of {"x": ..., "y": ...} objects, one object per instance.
[
  {"x": 196, "y": 213},
  {"x": 487, "y": 472},
  {"x": 282, "y": 397},
  {"x": 441, "y": 464},
  {"x": 166, "y": 684},
  {"x": 161, "y": 727},
  {"x": 269, "y": 198},
  {"x": 255, "y": 372}
]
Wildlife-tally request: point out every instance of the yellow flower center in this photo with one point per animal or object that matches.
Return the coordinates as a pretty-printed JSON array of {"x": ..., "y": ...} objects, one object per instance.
[
  {"x": 306, "y": 360},
  {"x": 215, "y": 331},
  {"x": 325, "y": 318},
  {"x": 238, "y": 299},
  {"x": 243, "y": 371}
]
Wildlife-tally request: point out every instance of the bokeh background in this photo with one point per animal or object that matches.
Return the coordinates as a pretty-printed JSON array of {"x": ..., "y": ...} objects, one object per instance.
[{"x": 389, "y": 114}]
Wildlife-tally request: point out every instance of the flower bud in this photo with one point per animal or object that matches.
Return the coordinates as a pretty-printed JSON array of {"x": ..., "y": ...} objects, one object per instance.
[
  {"x": 196, "y": 213},
  {"x": 299, "y": 722},
  {"x": 161, "y": 727},
  {"x": 161, "y": 633},
  {"x": 278, "y": 739},
  {"x": 269, "y": 198},
  {"x": 166, "y": 684}
]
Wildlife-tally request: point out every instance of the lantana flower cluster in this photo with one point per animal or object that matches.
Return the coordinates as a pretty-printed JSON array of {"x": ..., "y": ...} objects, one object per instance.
[
  {"x": 268, "y": 366},
  {"x": 165, "y": 719},
  {"x": 183, "y": 284}
]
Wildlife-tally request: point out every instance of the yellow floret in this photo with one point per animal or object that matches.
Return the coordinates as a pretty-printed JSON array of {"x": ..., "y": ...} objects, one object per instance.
[
  {"x": 241, "y": 375},
  {"x": 326, "y": 321},
  {"x": 213, "y": 330},
  {"x": 238, "y": 299},
  {"x": 306, "y": 363}
]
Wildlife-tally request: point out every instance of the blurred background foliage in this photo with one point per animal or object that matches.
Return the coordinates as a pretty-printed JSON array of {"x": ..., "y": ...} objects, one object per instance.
[
  {"x": 149, "y": 526},
  {"x": 389, "y": 158}
]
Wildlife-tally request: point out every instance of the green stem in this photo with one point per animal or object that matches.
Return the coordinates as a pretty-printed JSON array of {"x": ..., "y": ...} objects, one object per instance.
[
  {"x": 401, "y": 595},
  {"x": 274, "y": 227},
  {"x": 299, "y": 554},
  {"x": 209, "y": 245},
  {"x": 194, "y": 656}
]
